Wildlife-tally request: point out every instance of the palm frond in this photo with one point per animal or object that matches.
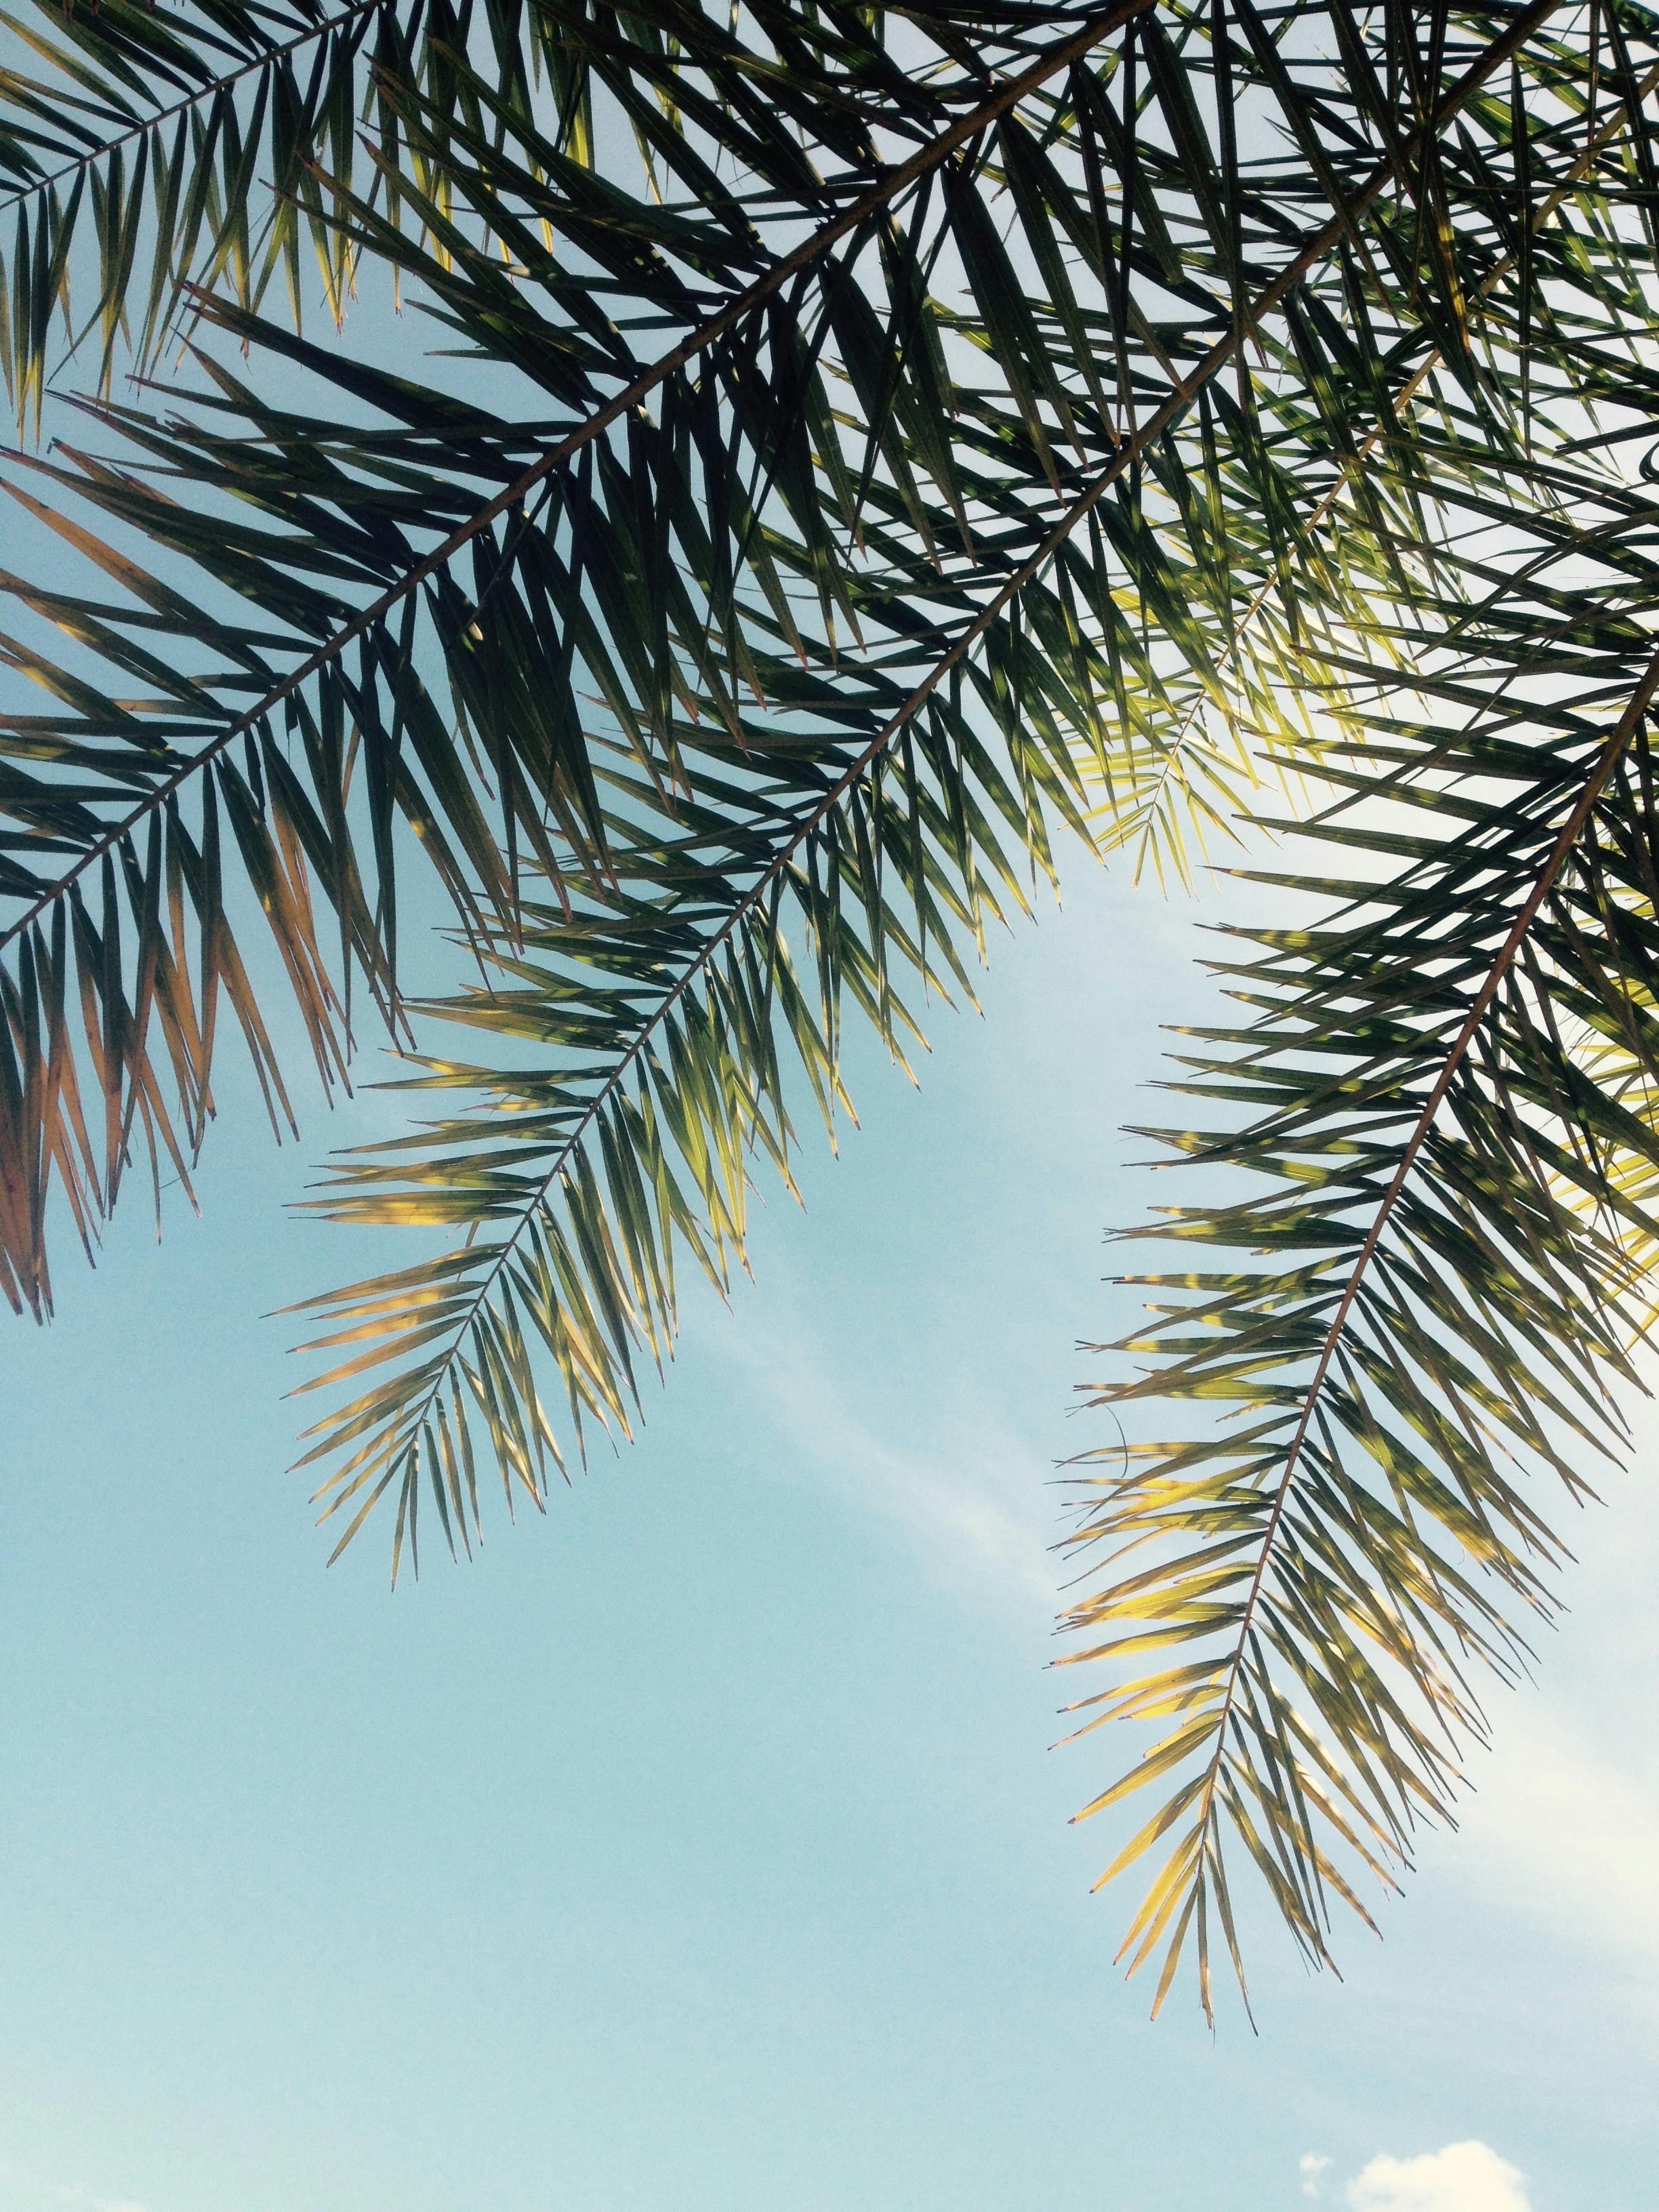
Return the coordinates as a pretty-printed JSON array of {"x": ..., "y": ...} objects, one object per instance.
[
  {"x": 1449, "y": 1249},
  {"x": 1196, "y": 765},
  {"x": 159, "y": 155},
  {"x": 613, "y": 555},
  {"x": 659, "y": 1028},
  {"x": 901, "y": 439},
  {"x": 554, "y": 1225},
  {"x": 172, "y": 148},
  {"x": 861, "y": 511}
]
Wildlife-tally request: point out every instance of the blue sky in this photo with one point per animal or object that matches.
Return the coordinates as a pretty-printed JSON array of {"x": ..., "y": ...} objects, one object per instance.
[{"x": 698, "y": 1847}]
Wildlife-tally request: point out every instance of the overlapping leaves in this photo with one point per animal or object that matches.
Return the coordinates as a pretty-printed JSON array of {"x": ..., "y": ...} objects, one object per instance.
[
  {"x": 598, "y": 547},
  {"x": 613, "y": 1118},
  {"x": 145, "y": 152},
  {"x": 661, "y": 571},
  {"x": 1418, "y": 1288},
  {"x": 891, "y": 443}
]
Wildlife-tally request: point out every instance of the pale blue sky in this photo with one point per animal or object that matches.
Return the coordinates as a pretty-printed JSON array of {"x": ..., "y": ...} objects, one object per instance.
[{"x": 698, "y": 1850}]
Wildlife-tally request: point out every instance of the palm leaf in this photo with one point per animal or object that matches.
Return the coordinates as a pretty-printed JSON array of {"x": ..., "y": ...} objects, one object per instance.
[
  {"x": 860, "y": 513},
  {"x": 1206, "y": 761},
  {"x": 203, "y": 148},
  {"x": 546, "y": 1193},
  {"x": 502, "y": 589},
  {"x": 1449, "y": 1250}
]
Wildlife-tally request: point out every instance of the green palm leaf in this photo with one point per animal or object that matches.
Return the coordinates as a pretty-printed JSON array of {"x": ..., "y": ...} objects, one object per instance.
[
  {"x": 612, "y": 523},
  {"x": 559, "y": 1240},
  {"x": 1448, "y": 1252},
  {"x": 900, "y": 439},
  {"x": 169, "y": 148},
  {"x": 206, "y": 148}
]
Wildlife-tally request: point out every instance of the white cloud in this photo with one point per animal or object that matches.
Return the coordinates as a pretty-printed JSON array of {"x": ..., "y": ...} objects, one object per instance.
[
  {"x": 1310, "y": 2166},
  {"x": 1466, "y": 2177}
]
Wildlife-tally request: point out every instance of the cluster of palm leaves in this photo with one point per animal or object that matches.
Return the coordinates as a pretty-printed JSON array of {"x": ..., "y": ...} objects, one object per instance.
[{"x": 856, "y": 452}]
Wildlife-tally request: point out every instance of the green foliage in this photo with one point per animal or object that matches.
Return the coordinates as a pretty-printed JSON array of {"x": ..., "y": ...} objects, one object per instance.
[
  {"x": 1427, "y": 1308},
  {"x": 894, "y": 442},
  {"x": 145, "y": 155}
]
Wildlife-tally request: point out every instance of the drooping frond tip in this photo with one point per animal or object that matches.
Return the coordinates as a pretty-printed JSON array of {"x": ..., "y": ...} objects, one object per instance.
[{"x": 1432, "y": 1300}]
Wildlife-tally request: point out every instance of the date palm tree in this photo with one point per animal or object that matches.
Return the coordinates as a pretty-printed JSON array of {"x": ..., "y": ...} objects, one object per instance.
[{"x": 892, "y": 442}]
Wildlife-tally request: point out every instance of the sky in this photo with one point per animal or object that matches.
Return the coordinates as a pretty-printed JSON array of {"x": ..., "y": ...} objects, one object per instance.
[{"x": 700, "y": 1846}]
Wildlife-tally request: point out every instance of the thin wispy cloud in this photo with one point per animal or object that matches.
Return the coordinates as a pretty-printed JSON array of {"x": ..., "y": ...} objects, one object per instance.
[
  {"x": 19, "y": 2192},
  {"x": 1465, "y": 2176},
  {"x": 974, "y": 1505},
  {"x": 1561, "y": 1827}
]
